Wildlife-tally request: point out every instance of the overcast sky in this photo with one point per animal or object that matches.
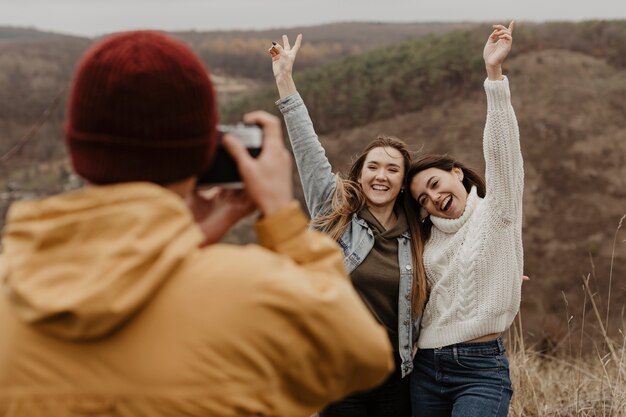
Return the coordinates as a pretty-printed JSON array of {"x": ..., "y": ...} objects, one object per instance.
[{"x": 96, "y": 17}]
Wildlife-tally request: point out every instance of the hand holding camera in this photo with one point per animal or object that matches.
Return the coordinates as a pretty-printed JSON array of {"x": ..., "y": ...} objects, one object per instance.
[
  {"x": 267, "y": 178},
  {"x": 223, "y": 170},
  {"x": 218, "y": 209},
  {"x": 261, "y": 180}
]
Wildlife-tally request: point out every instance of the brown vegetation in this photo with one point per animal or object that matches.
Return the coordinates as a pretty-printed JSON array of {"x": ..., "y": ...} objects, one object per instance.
[
  {"x": 568, "y": 83},
  {"x": 573, "y": 138},
  {"x": 244, "y": 53},
  {"x": 574, "y": 383}
]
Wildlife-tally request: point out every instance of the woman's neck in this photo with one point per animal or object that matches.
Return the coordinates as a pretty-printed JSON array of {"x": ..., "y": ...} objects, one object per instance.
[{"x": 385, "y": 215}]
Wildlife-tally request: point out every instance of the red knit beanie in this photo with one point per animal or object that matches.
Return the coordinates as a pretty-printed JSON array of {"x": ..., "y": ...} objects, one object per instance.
[{"x": 142, "y": 108}]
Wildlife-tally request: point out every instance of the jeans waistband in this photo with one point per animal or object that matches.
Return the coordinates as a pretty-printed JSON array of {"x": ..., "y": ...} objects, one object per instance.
[{"x": 490, "y": 347}]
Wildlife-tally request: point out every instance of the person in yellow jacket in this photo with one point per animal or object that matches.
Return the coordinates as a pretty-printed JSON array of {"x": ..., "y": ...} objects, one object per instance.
[{"x": 117, "y": 302}]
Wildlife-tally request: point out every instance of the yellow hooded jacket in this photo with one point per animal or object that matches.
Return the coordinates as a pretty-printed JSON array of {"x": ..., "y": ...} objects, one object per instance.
[{"x": 109, "y": 307}]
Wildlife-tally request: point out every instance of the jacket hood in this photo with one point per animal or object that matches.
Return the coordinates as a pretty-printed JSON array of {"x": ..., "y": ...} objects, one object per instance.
[{"x": 79, "y": 265}]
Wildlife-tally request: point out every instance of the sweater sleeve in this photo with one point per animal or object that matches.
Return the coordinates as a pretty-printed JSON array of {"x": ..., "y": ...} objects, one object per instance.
[
  {"x": 335, "y": 345},
  {"x": 318, "y": 181},
  {"x": 504, "y": 169}
]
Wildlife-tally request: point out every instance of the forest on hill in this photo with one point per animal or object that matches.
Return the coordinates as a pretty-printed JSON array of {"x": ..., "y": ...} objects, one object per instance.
[
  {"x": 413, "y": 74},
  {"x": 244, "y": 53},
  {"x": 36, "y": 67},
  {"x": 420, "y": 82},
  {"x": 569, "y": 89}
]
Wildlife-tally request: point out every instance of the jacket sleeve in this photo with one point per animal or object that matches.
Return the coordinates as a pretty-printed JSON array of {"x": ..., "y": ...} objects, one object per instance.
[
  {"x": 336, "y": 346},
  {"x": 504, "y": 171},
  {"x": 318, "y": 181}
]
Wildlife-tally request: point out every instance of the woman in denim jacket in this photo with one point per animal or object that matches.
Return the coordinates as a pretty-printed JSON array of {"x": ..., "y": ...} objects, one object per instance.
[{"x": 367, "y": 216}]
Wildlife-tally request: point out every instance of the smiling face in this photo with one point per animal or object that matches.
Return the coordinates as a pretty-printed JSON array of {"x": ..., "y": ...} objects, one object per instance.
[
  {"x": 441, "y": 193},
  {"x": 382, "y": 176}
]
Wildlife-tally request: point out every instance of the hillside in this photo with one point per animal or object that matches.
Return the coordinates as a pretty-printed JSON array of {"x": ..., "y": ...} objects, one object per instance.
[
  {"x": 35, "y": 69},
  {"x": 244, "y": 53},
  {"x": 569, "y": 92},
  {"x": 573, "y": 137},
  {"x": 414, "y": 74},
  {"x": 10, "y": 34},
  {"x": 568, "y": 84}
]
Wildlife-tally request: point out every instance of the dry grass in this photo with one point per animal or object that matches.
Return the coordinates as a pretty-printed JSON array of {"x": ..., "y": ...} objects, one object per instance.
[
  {"x": 573, "y": 384},
  {"x": 551, "y": 386}
]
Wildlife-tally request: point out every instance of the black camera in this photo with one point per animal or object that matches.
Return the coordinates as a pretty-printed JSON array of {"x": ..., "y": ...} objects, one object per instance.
[{"x": 223, "y": 171}]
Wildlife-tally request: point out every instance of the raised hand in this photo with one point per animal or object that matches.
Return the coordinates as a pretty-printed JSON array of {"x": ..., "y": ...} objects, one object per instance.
[
  {"x": 497, "y": 48},
  {"x": 283, "y": 56}
]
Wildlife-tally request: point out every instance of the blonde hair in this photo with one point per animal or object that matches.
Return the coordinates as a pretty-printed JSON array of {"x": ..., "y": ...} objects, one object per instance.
[{"x": 349, "y": 199}]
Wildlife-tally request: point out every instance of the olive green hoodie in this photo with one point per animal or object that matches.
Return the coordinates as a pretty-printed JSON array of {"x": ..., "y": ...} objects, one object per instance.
[{"x": 111, "y": 308}]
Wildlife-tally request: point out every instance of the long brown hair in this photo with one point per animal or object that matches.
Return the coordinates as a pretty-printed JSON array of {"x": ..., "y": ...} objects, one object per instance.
[
  {"x": 349, "y": 199},
  {"x": 471, "y": 178}
]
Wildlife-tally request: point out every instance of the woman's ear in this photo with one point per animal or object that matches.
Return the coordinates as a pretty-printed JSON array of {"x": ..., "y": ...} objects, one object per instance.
[{"x": 458, "y": 172}]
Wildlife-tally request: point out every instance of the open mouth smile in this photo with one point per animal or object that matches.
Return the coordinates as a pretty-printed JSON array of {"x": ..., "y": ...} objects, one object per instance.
[
  {"x": 446, "y": 203},
  {"x": 380, "y": 187}
]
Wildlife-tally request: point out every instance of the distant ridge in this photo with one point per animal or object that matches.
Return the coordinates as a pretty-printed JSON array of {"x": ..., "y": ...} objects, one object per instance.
[
  {"x": 360, "y": 33},
  {"x": 10, "y": 33}
]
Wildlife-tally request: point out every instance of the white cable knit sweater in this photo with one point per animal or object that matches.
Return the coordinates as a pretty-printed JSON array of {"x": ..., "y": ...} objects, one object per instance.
[{"x": 474, "y": 263}]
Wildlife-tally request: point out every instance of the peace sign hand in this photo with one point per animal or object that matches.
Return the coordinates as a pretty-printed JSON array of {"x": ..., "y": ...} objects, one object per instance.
[{"x": 283, "y": 56}]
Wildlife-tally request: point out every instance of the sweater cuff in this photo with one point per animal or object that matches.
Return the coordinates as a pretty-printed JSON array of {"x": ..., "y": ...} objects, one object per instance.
[
  {"x": 281, "y": 226},
  {"x": 498, "y": 94},
  {"x": 290, "y": 102}
]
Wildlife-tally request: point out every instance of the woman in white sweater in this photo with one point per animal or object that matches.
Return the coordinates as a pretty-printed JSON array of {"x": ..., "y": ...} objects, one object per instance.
[{"x": 473, "y": 261}]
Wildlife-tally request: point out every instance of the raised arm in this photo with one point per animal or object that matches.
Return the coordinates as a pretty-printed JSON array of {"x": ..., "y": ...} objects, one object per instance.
[
  {"x": 283, "y": 57},
  {"x": 504, "y": 170},
  {"x": 318, "y": 181}
]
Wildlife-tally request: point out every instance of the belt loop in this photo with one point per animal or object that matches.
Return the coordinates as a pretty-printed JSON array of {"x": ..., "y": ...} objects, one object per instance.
[
  {"x": 455, "y": 353},
  {"x": 500, "y": 345}
]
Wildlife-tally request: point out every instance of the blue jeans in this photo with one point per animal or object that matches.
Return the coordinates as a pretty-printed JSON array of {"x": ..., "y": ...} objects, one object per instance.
[
  {"x": 461, "y": 380},
  {"x": 391, "y": 399}
]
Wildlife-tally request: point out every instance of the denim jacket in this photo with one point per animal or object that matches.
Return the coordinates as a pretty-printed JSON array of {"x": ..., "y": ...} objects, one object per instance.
[{"x": 318, "y": 183}]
